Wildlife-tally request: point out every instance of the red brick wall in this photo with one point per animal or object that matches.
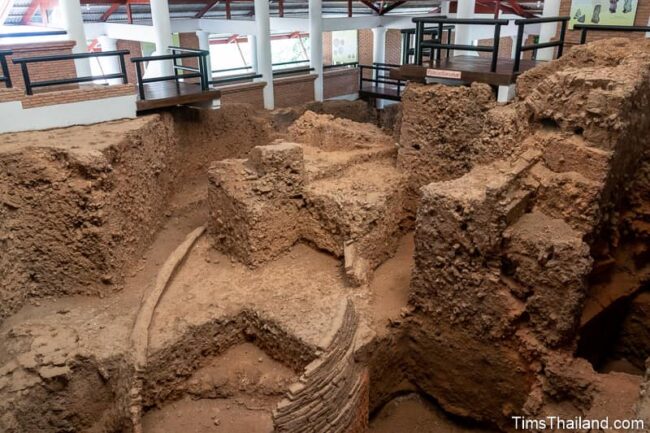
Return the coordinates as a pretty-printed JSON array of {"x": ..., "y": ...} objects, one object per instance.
[
  {"x": 136, "y": 51},
  {"x": 505, "y": 47},
  {"x": 327, "y": 48},
  {"x": 249, "y": 93},
  {"x": 290, "y": 91},
  {"x": 393, "y": 46},
  {"x": 83, "y": 93},
  {"x": 189, "y": 40},
  {"x": 340, "y": 82},
  {"x": 41, "y": 71},
  {"x": 642, "y": 15},
  {"x": 7, "y": 95},
  {"x": 365, "y": 46}
]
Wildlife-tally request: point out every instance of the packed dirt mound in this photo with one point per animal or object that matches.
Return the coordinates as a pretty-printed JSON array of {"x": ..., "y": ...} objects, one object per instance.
[
  {"x": 614, "y": 58},
  {"x": 509, "y": 253},
  {"x": 329, "y": 133},
  {"x": 340, "y": 191},
  {"x": 445, "y": 131},
  {"x": 77, "y": 204}
]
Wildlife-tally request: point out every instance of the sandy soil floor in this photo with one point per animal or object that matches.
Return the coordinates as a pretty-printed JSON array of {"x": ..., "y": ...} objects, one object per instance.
[
  {"x": 248, "y": 384},
  {"x": 412, "y": 414}
]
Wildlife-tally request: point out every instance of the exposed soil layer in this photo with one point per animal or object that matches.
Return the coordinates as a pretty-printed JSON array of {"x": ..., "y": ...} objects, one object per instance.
[
  {"x": 411, "y": 413},
  {"x": 104, "y": 190},
  {"x": 468, "y": 256}
]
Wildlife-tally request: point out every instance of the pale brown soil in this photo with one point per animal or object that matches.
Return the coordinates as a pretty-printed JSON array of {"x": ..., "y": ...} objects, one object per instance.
[
  {"x": 208, "y": 416},
  {"x": 412, "y": 414},
  {"x": 390, "y": 286},
  {"x": 235, "y": 392}
]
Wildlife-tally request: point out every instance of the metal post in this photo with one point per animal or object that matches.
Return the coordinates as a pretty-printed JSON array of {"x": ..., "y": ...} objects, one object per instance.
[
  {"x": 439, "y": 35},
  {"x": 519, "y": 43},
  {"x": 495, "y": 48},
  {"x": 448, "y": 41},
  {"x": 419, "y": 28},
  {"x": 560, "y": 48},
  {"x": 138, "y": 73},
  {"x": 5, "y": 71},
  {"x": 28, "y": 83},
  {"x": 583, "y": 37},
  {"x": 125, "y": 77}
]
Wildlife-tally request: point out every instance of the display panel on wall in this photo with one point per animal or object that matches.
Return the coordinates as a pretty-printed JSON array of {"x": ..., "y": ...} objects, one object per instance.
[{"x": 603, "y": 12}]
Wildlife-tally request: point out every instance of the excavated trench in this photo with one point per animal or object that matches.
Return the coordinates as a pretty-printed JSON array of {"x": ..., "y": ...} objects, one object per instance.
[{"x": 440, "y": 268}]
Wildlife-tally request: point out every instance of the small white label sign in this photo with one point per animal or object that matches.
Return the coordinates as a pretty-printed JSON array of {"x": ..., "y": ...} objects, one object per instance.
[{"x": 444, "y": 73}]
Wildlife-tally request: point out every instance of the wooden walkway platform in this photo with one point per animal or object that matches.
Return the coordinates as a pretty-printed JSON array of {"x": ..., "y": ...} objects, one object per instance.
[
  {"x": 466, "y": 69},
  {"x": 165, "y": 94},
  {"x": 377, "y": 92}
]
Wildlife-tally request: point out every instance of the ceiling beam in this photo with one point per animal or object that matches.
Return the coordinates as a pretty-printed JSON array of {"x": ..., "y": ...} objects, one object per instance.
[
  {"x": 106, "y": 15},
  {"x": 206, "y": 8},
  {"x": 371, "y": 6},
  {"x": 392, "y": 6}
]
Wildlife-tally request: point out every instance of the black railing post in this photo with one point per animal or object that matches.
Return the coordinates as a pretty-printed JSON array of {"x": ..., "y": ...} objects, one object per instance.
[
  {"x": 583, "y": 36},
  {"x": 5, "y": 70},
  {"x": 495, "y": 47},
  {"x": 28, "y": 82},
  {"x": 125, "y": 77},
  {"x": 448, "y": 41},
  {"x": 519, "y": 42},
  {"x": 439, "y": 36},
  {"x": 560, "y": 48},
  {"x": 138, "y": 73},
  {"x": 419, "y": 27}
]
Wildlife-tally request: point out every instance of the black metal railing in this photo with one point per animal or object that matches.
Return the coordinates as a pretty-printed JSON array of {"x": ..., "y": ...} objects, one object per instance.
[
  {"x": 31, "y": 34},
  {"x": 30, "y": 85},
  {"x": 407, "y": 34},
  {"x": 292, "y": 71},
  {"x": 201, "y": 71},
  {"x": 437, "y": 45},
  {"x": 238, "y": 78},
  {"x": 349, "y": 65},
  {"x": 520, "y": 47},
  {"x": 380, "y": 80},
  {"x": 585, "y": 28},
  {"x": 178, "y": 53},
  {"x": 248, "y": 67},
  {"x": 4, "y": 68},
  {"x": 235, "y": 79}
]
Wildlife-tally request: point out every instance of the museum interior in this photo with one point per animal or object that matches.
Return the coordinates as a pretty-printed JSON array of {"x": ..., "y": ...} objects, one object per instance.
[{"x": 324, "y": 216}]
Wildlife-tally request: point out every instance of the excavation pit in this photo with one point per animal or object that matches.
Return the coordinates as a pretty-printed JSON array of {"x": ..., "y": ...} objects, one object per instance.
[{"x": 297, "y": 271}]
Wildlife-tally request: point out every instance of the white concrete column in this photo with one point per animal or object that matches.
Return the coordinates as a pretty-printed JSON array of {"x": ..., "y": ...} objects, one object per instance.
[
  {"x": 72, "y": 22},
  {"x": 109, "y": 65},
  {"x": 379, "y": 53},
  {"x": 548, "y": 30},
  {"x": 264, "y": 60},
  {"x": 204, "y": 44},
  {"x": 252, "y": 43},
  {"x": 163, "y": 37},
  {"x": 316, "y": 45},
  {"x": 444, "y": 8},
  {"x": 462, "y": 33}
]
